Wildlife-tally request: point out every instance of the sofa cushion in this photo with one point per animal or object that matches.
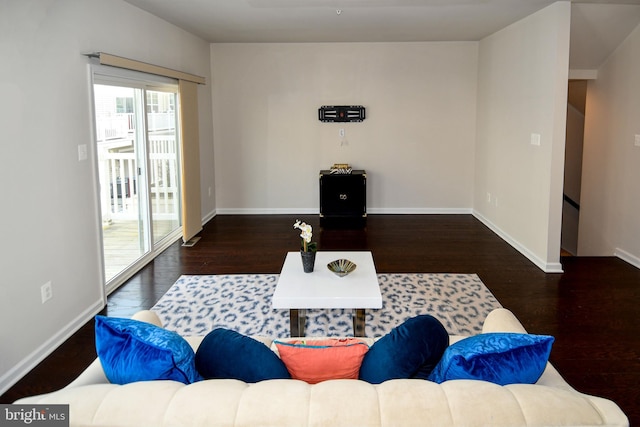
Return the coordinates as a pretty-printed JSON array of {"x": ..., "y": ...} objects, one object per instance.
[
  {"x": 314, "y": 361},
  {"x": 410, "y": 350},
  {"x": 224, "y": 353},
  {"x": 501, "y": 358},
  {"x": 130, "y": 350}
]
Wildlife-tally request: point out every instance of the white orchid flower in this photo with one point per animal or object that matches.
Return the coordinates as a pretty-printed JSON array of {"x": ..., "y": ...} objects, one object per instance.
[{"x": 306, "y": 232}]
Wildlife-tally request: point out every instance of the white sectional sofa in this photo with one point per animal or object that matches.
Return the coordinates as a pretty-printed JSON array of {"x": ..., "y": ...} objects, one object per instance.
[{"x": 404, "y": 402}]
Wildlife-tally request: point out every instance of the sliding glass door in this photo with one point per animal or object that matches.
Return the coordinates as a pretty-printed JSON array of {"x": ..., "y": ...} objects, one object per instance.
[{"x": 137, "y": 149}]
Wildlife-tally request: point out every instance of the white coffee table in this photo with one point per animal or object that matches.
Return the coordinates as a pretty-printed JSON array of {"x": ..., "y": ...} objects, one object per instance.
[{"x": 297, "y": 290}]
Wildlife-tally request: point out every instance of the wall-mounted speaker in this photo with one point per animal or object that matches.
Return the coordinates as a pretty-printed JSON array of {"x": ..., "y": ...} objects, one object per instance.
[{"x": 341, "y": 113}]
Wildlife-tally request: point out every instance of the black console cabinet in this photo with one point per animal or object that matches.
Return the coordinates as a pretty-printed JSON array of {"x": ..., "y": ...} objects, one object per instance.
[{"x": 343, "y": 199}]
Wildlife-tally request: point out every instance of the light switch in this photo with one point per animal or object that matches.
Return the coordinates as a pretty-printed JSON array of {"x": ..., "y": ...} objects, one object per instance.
[
  {"x": 82, "y": 152},
  {"x": 341, "y": 133},
  {"x": 637, "y": 141},
  {"x": 535, "y": 139}
]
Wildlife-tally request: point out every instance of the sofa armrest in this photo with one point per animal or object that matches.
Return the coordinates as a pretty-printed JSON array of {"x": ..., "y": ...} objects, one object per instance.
[
  {"x": 148, "y": 316},
  {"x": 502, "y": 320}
]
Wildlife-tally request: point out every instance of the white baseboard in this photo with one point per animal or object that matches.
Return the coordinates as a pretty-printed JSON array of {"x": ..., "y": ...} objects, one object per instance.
[
  {"x": 315, "y": 211},
  {"x": 547, "y": 267},
  {"x": 208, "y": 217},
  {"x": 267, "y": 211},
  {"x": 420, "y": 211},
  {"x": 628, "y": 257},
  {"x": 18, "y": 371}
]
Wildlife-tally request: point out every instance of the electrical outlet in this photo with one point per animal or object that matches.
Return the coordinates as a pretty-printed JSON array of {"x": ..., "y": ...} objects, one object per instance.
[
  {"x": 46, "y": 292},
  {"x": 488, "y": 197},
  {"x": 637, "y": 141}
]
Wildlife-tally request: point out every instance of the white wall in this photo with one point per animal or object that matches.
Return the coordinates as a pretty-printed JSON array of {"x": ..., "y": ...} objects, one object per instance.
[
  {"x": 416, "y": 144},
  {"x": 522, "y": 89},
  {"x": 610, "y": 198},
  {"x": 49, "y": 215}
]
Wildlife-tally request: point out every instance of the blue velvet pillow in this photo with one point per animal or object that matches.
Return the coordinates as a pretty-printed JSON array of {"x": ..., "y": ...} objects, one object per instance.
[
  {"x": 224, "y": 353},
  {"x": 130, "y": 350},
  {"x": 501, "y": 358},
  {"x": 410, "y": 350}
]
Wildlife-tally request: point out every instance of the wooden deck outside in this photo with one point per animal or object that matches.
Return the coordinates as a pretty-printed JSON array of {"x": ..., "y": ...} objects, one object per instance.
[{"x": 122, "y": 243}]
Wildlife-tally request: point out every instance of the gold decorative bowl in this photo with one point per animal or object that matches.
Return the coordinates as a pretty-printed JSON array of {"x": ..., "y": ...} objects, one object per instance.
[{"x": 341, "y": 267}]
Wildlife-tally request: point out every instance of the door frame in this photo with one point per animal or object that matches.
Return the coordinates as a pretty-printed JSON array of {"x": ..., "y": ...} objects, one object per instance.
[{"x": 100, "y": 74}]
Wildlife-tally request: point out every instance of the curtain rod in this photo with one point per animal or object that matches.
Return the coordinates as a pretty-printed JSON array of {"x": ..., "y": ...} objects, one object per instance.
[{"x": 132, "y": 64}]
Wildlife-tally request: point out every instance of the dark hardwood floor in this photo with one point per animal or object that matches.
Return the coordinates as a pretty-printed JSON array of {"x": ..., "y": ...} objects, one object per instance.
[{"x": 591, "y": 308}]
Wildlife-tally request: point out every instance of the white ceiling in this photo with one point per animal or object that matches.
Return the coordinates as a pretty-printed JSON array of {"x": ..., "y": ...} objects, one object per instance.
[{"x": 597, "y": 26}]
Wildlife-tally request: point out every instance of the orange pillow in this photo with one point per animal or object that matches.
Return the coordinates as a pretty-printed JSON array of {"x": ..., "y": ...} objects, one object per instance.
[{"x": 314, "y": 361}]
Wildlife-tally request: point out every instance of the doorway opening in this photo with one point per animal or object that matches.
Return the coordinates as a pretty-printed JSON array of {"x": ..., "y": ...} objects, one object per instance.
[{"x": 576, "y": 106}]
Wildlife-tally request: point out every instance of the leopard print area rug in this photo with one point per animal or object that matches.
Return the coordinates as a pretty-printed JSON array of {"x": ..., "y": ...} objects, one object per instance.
[{"x": 195, "y": 305}]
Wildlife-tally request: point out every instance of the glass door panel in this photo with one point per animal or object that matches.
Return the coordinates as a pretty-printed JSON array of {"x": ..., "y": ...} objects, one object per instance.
[
  {"x": 121, "y": 153},
  {"x": 164, "y": 177}
]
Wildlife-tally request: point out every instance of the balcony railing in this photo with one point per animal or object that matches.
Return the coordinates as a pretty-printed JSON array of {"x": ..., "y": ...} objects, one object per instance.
[
  {"x": 121, "y": 125},
  {"x": 120, "y": 171}
]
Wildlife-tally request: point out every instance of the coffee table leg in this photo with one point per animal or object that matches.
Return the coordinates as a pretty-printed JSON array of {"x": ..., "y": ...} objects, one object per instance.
[
  {"x": 358, "y": 322},
  {"x": 297, "y": 319}
]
